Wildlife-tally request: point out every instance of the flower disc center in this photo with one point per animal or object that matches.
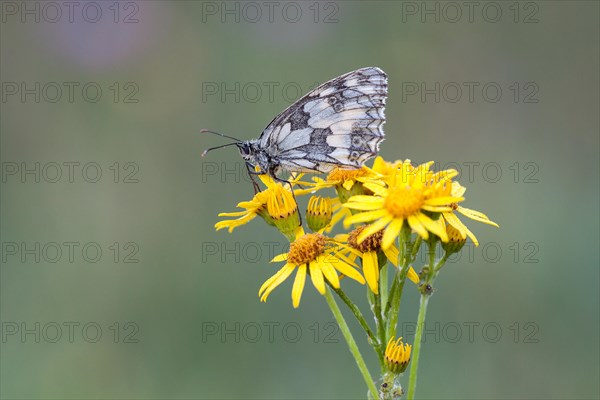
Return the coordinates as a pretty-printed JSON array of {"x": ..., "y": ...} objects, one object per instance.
[
  {"x": 404, "y": 201},
  {"x": 306, "y": 248},
  {"x": 343, "y": 175},
  {"x": 371, "y": 243}
]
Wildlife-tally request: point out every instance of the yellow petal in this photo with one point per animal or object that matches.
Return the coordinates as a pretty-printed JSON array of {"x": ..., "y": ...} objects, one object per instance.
[
  {"x": 456, "y": 223},
  {"x": 348, "y": 184},
  {"x": 457, "y": 189},
  {"x": 280, "y": 257},
  {"x": 347, "y": 270},
  {"x": 371, "y": 270},
  {"x": 477, "y": 216},
  {"x": 341, "y": 237},
  {"x": 437, "y": 227},
  {"x": 365, "y": 199},
  {"x": 462, "y": 228},
  {"x": 391, "y": 233},
  {"x": 275, "y": 281},
  {"x": 298, "y": 285},
  {"x": 413, "y": 276},
  {"x": 392, "y": 254},
  {"x": 364, "y": 217},
  {"x": 443, "y": 201},
  {"x": 337, "y": 217},
  {"x": 316, "y": 275},
  {"x": 444, "y": 208},
  {"x": 472, "y": 237},
  {"x": 330, "y": 273},
  {"x": 249, "y": 204},
  {"x": 446, "y": 174},
  {"x": 364, "y": 205},
  {"x": 299, "y": 231},
  {"x": 232, "y": 214},
  {"x": 374, "y": 228},
  {"x": 266, "y": 179},
  {"x": 417, "y": 226},
  {"x": 376, "y": 188},
  {"x": 348, "y": 259}
]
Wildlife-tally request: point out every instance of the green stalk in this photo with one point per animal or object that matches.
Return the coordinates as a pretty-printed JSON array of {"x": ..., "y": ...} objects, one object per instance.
[
  {"x": 375, "y": 303},
  {"x": 388, "y": 303},
  {"x": 383, "y": 285},
  {"x": 351, "y": 344},
  {"x": 392, "y": 308},
  {"x": 383, "y": 291},
  {"x": 441, "y": 263},
  {"x": 360, "y": 318},
  {"x": 412, "y": 382},
  {"x": 376, "y": 306},
  {"x": 416, "y": 351}
]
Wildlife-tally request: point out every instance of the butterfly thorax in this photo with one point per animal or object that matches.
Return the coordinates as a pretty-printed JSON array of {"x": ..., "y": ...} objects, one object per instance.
[{"x": 252, "y": 153}]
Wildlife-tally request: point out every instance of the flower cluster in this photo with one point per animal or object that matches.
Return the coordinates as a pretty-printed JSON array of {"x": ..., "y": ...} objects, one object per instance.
[
  {"x": 382, "y": 200},
  {"x": 389, "y": 211}
]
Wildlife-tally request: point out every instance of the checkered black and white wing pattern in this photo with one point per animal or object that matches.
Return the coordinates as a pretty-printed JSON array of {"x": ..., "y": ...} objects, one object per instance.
[{"x": 340, "y": 123}]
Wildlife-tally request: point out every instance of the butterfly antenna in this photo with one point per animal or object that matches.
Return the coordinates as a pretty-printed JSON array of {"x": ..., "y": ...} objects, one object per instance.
[
  {"x": 219, "y": 134},
  {"x": 217, "y": 147}
]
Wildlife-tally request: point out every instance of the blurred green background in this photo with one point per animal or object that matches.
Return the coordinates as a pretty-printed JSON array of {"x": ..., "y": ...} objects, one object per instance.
[{"x": 184, "y": 321}]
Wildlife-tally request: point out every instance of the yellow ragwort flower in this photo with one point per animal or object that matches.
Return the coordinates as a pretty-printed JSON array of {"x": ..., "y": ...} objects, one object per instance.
[
  {"x": 411, "y": 194},
  {"x": 458, "y": 191},
  {"x": 455, "y": 242},
  {"x": 397, "y": 355},
  {"x": 368, "y": 250},
  {"x": 383, "y": 168},
  {"x": 346, "y": 177},
  {"x": 319, "y": 255},
  {"x": 283, "y": 210},
  {"x": 338, "y": 177},
  {"x": 347, "y": 182},
  {"x": 258, "y": 205},
  {"x": 319, "y": 212}
]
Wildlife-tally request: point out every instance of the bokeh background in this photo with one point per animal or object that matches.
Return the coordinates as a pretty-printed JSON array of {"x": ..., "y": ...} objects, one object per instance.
[{"x": 184, "y": 321}]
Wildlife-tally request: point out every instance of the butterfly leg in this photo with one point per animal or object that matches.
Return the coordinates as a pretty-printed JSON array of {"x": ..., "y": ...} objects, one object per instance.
[{"x": 251, "y": 173}]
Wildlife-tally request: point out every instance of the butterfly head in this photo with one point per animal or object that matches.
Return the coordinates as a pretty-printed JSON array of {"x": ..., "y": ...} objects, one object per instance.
[
  {"x": 252, "y": 153},
  {"x": 247, "y": 150}
]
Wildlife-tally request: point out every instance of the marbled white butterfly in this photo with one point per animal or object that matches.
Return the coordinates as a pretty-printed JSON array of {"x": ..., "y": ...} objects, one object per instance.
[{"x": 338, "y": 124}]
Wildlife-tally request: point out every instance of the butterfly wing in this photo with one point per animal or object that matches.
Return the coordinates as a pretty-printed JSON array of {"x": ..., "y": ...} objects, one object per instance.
[{"x": 340, "y": 123}]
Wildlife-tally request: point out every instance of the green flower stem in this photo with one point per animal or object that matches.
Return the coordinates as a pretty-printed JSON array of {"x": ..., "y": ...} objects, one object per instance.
[
  {"x": 412, "y": 382},
  {"x": 361, "y": 320},
  {"x": 383, "y": 290},
  {"x": 351, "y": 344},
  {"x": 431, "y": 254},
  {"x": 392, "y": 308},
  {"x": 375, "y": 303},
  {"x": 392, "y": 295},
  {"x": 416, "y": 351},
  {"x": 415, "y": 248},
  {"x": 383, "y": 285},
  {"x": 380, "y": 329},
  {"x": 440, "y": 264},
  {"x": 393, "y": 304}
]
